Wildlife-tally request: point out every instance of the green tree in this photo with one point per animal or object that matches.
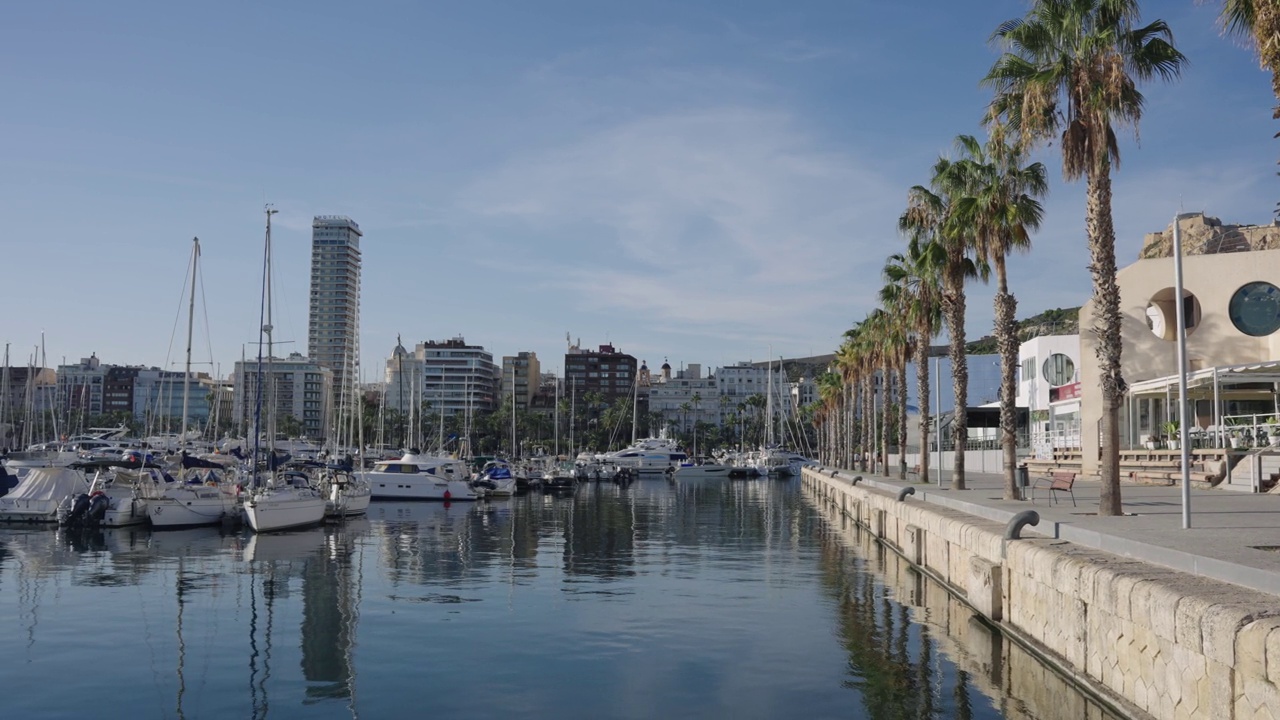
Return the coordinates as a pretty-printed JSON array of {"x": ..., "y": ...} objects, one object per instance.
[
  {"x": 930, "y": 212},
  {"x": 1070, "y": 74},
  {"x": 1002, "y": 209},
  {"x": 915, "y": 287}
]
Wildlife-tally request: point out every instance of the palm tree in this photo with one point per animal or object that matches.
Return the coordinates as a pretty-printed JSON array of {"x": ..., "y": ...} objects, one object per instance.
[
  {"x": 930, "y": 213},
  {"x": 1260, "y": 21},
  {"x": 685, "y": 407},
  {"x": 916, "y": 277},
  {"x": 899, "y": 344},
  {"x": 1001, "y": 208},
  {"x": 1069, "y": 73}
]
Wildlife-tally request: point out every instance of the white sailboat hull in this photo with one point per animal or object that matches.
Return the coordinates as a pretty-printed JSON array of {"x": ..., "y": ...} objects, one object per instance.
[
  {"x": 275, "y": 509},
  {"x": 348, "y": 499},
  {"x": 191, "y": 507}
]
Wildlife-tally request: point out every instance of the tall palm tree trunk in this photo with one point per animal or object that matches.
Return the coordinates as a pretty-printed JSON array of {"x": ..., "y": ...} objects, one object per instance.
[
  {"x": 922, "y": 385},
  {"x": 886, "y": 417},
  {"x": 902, "y": 419},
  {"x": 1006, "y": 308},
  {"x": 954, "y": 302},
  {"x": 868, "y": 426},
  {"x": 1102, "y": 254}
]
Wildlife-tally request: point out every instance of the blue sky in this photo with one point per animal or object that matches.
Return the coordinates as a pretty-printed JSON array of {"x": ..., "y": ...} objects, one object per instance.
[{"x": 701, "y": 181}]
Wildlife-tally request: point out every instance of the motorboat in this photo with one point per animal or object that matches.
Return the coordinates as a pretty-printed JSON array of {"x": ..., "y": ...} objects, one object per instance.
[
  {"x": 286, "y": 501},
  {"x": 648, "y": 457},
  {"x": 45, "y": 455},
  {"x": 116, "y": 497},
  {"x": 704, "y": 470},
  {"x": 495, "y": 480},
  {"x": 37, "y": 496},
  {"x": 419, "y": 477}
]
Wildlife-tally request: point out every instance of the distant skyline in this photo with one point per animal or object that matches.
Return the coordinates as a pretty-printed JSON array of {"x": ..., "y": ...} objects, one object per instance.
[{"x": 707, "y": 182}]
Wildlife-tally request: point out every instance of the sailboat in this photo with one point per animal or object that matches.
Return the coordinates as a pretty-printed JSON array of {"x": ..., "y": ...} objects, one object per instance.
[
  {"x": 278, "y": 502},
  {"x": 205, "y": 492}
]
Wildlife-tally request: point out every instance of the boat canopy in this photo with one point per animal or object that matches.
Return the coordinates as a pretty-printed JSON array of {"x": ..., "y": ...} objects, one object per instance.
[{"x": 48, "y": 483}]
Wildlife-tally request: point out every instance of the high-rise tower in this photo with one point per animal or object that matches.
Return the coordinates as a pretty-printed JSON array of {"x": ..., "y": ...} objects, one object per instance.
[{"x": 332, "y": 340}]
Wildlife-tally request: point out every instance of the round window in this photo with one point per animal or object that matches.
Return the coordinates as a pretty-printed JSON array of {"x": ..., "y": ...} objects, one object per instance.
[
  {"x": 1255, "y": 309},
  {"x": 1058, "y": 369}
]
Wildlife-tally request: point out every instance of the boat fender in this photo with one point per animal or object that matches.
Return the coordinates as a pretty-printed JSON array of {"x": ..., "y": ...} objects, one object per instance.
[{"x": 447, "y": 495}]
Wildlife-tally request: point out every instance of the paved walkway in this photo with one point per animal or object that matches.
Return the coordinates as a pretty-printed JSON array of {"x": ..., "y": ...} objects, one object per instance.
[{"x": 1228, "y": 528}]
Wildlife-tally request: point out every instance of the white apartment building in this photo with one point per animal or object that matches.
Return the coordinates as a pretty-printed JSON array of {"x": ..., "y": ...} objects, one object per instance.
[
  {"x": 737, "y": 383},
  {"x": 295, "y": 386},
  {"x": 80, "y": 386},
  {"x": 671, "y": 395},
  {"x": 450, "y": 375},
  {"x": 334, "y": 320}
]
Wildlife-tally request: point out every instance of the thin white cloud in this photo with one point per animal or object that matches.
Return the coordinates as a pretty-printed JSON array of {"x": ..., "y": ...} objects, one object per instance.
[{"x": 727, "y": 217}]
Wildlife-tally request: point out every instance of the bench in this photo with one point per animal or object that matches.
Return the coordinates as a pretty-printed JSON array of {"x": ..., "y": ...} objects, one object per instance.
[
  {"x": 1058, "y": 481},
  {"x": 914, "y": 470}
]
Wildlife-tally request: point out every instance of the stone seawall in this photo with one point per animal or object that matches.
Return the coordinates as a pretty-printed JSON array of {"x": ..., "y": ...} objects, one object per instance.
[{"x": 1160, "y": 642}]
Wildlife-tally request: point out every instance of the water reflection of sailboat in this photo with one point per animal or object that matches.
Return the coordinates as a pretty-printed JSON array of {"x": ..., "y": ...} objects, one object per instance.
[{"x": 328, "y": 564}]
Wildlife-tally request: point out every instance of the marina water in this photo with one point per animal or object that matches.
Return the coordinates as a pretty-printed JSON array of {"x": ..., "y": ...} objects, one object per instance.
[{"x": 689, "y": 599}]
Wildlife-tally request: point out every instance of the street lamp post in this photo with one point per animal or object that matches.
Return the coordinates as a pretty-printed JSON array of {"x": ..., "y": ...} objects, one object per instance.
[{"x": 1180, "y": 316}]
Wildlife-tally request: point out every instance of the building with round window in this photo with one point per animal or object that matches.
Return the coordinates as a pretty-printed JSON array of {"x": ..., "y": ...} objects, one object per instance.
[{"x": 1230, "y": 306}]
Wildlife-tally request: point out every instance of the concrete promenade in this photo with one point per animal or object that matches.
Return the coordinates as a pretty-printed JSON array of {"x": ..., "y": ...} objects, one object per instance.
[{"x": 1227, "y": 527}]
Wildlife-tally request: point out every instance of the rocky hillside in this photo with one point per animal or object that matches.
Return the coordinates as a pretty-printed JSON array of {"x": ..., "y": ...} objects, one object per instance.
[{"x": 1059, "y": 321}]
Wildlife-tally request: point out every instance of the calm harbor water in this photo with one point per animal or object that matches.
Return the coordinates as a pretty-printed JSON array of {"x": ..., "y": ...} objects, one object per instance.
[{"x": 709, "y": 599}]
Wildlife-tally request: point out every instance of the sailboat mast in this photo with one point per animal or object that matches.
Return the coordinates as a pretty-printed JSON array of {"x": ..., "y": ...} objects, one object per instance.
[
  {"x": 191, "y": 319},
  {"x": 271, "y": 407}
]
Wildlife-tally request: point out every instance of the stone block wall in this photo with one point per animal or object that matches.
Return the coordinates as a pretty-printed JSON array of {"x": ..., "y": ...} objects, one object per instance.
[{"x": 1170, "y": 644}]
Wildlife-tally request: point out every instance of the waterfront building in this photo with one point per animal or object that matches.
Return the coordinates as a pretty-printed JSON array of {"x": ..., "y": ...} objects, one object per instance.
[
  {"x": 334, "y": 319},
  {"x": 607, "y": 371},
  {"x": 685, "y": 399},
  {"x": 26, "y": 395},
  {"x": 298, "y": 388},
  {"x": 521, "y": 377},
  {"x": 445, "y": 376},
  {"x": 737, "y": 384},
  {"x": 81, "y": 386},
  {"x": 1049, "y": 390},
  {"x": 158, "y": 398},
  {"x": 1231, "y": 305}
]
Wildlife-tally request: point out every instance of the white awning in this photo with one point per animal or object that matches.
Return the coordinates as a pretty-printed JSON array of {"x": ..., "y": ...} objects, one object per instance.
[{"x": 1264, "y": 372}]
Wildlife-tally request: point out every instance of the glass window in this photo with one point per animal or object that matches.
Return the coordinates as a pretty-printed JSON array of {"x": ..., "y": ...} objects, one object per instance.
[
  {"x": 1255, "y": 309},
  {"x": 1059, "y": 370}
]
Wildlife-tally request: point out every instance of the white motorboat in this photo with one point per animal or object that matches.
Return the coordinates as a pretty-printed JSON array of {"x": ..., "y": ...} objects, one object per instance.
[
  {"x": 40, "y": 456},
  {"x": 419, "y": 477},
  {"x": 37, "y": 496},
  {"x": 651, "y": 456},
  {"x": 706, "y": 470},
  {"x": 286, "y": 501},
  {"x": 495, "y": 480},
  {"x": 116, "y": 497}
]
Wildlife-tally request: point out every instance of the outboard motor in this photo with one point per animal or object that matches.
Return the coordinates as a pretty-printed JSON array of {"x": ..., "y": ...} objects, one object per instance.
[
  {"x": 79, "y": 507},
  {"x": 97, "y": 510}
]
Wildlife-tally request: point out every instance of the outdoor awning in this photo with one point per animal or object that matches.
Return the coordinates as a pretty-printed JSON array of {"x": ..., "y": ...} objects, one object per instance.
[{"x": 1265, "y": 372}]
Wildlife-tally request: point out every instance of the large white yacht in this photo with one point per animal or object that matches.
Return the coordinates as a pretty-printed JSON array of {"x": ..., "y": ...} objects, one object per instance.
[
  {"x": 419, "y": 477},
  {"x": 650, "y": 456}
]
